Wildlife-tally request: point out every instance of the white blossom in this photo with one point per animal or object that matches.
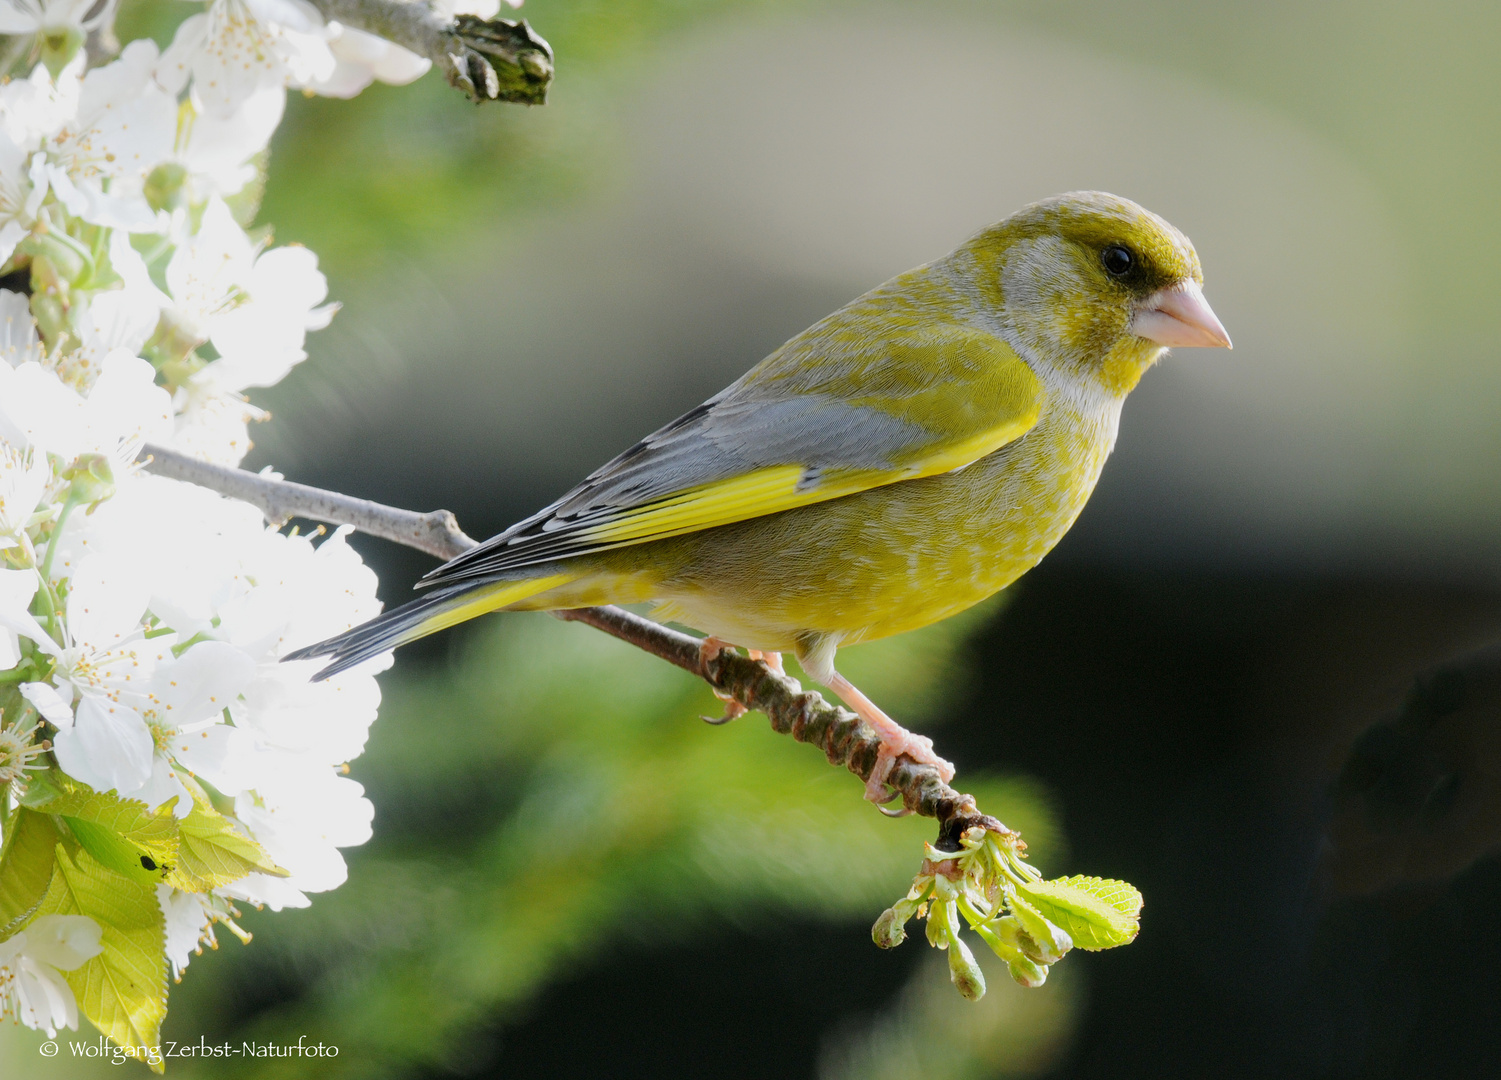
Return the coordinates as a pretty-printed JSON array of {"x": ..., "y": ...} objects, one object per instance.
[
  {"x": 217, "y": 149},
  {"x": 184, "y": 708},
  {"x": 36, "y": 107},
  {"x": 240, "y": 47},
  {"x": 24, "y": 478},
  {"x": 255, "y": 308},
  {"x": 31, "y": 987},
  {"x": 125, "y": 409},
  {"x": 17, "y": 587},
  {"x": 115, "y": 321},
  {"x": 183, "y": 542},
  {"x": 149, "y": 617},
  {"x": 213, "y": 425},
  {"x": 23, "y": 186},
  {"x": 485, "y": 9},
  {"x": 19, "y": 343},
  {"x": 103, "y": 673},
  {"x": 363, "y": 58},
  {"x": 126, "y": 123},
  {"x": 43, "y": 16},
  {"x": 187, "y": 918},
  {"x": 302, "y": 815},
  {"x": 18, "y": 754}
]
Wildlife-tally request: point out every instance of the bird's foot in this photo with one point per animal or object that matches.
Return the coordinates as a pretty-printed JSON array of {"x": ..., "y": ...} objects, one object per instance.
[
  {"x": 896, "y": 741},
  {"x": 918, "y": 748},
  {"x": 708, "y": 649},
  {"x": 772, "y": 660}
]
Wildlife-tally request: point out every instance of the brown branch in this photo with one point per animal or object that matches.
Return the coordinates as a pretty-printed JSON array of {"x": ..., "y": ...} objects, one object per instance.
[
  {"x": 498, "y": 60},
  {"x": 844, "y": 738},
  {"x": 436, "y": 533}
]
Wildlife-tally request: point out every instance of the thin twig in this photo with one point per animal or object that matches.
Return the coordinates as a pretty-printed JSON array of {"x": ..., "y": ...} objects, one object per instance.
[
  {"x": 844, "y": 738},
  {"x": 437, "y": 533},
  {"x": 494, "y": 60}
]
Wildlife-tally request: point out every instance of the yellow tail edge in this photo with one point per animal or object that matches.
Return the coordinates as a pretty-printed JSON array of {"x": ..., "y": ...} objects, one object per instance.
[{"x": 481, "y": 602}]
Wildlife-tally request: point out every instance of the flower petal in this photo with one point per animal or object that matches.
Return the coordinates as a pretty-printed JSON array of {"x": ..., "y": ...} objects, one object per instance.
[
  {"x": 106, "y": 601},
  {"x": 201, "y": 683},
  {"x": 64, "y": 941},
  {"x": 47, "y": 701},
  {"x": 108, "y": 746}
]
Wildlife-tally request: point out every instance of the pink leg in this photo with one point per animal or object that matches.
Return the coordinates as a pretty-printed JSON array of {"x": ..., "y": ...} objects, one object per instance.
[{"x": 895, "y": 740}]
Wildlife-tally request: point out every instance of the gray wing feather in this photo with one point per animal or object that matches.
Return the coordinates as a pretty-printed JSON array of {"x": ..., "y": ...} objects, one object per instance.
[{"x": 726, "y": 436}]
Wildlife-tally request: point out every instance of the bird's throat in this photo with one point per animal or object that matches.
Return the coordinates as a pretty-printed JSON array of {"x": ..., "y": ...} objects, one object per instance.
[{"x": 1125, "y": 363}]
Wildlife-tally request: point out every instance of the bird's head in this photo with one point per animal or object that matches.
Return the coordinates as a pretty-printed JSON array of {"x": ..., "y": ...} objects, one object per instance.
[{"x": 1093, "y": 284}]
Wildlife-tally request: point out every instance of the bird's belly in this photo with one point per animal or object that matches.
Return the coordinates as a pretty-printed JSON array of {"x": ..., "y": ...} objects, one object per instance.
[{"x": 878, "y": 562}]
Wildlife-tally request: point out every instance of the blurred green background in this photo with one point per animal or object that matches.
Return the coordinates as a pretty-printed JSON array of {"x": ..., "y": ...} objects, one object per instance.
[{"x": 1202, "y": 690}]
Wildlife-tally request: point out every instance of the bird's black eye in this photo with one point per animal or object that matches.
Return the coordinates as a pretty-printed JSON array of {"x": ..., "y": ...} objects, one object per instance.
[{"x": 1118, "y": 260}]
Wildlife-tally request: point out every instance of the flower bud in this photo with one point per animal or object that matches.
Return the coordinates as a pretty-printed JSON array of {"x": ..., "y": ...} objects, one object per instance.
[
  {"x": 1000, "y": 935},
  {"x": 90, "y": 479},
  {"x": 965, "y": 973},
  {"x": 1027, "y": 972},
  {"x": 890, "y": 929},
  {"x": 1003, "y": 937}
]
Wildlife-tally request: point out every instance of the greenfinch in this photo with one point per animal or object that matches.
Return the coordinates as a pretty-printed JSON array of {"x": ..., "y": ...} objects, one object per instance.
[{"x": 897, "y": 462}]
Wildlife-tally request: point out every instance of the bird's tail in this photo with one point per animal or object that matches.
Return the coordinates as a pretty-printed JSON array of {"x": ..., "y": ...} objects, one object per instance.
[{"x": 436, "y": 611}]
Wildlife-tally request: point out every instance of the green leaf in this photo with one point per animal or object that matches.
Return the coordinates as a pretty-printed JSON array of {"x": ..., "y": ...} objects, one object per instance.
[
  {"x": 119, "y": 853},
  {"x": 25, "y": 868},
  {"x": 1098, "y": 914},
  {"x": 152, "y": 833},
  {"x": 211, "y": 852},
  {"x": 123, "y": 990}
]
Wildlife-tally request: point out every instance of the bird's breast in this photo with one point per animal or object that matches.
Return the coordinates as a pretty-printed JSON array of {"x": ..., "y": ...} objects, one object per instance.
[{"x": 889, "y": 559}]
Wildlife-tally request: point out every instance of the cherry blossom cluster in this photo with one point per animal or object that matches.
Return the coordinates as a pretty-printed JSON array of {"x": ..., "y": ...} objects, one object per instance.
[{"x": 142, "y": 620}]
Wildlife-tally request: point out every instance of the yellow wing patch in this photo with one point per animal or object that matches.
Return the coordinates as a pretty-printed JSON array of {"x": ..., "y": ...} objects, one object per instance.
[{"x": 785, "y": 487}]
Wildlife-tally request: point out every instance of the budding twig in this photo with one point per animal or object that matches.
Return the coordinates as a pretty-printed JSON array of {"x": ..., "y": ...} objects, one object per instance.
[
  {"x": 844, "y": 738},
  {"x": 495, "y": 60}
]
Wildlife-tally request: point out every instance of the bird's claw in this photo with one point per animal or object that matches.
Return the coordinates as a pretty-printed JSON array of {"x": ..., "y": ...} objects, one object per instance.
[
  {"x": 884, "y": 798},
  {"x": 709, "y": 649},
  {"x": 733, "y": 710},
  {"x": 919, "y": 748}
]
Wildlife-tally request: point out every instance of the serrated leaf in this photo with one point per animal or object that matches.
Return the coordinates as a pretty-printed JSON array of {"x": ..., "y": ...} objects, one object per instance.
[
  {"x": 1097, "y": 913},
  {"x": 123, "y": 990},
  {"x": 119, "y": 853},
  {"x": 26, "y": 868},
  {"x": 118, "y": 832},
  {"x": 211, "y": 852}
]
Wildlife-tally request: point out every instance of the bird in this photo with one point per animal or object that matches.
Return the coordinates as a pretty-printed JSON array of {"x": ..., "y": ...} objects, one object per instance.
[{"x": 897, "y": 462}]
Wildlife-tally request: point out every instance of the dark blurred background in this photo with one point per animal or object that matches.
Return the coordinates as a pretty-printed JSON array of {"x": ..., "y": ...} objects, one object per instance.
[{"x": 1256, "y": 680}]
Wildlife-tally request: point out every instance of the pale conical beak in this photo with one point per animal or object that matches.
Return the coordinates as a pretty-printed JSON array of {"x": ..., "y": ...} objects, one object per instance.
[{"x": 1180, "y": 317}]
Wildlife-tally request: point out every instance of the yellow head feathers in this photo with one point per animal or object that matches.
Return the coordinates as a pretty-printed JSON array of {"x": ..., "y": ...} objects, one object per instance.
[{"x": 1076, "y": 277}]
